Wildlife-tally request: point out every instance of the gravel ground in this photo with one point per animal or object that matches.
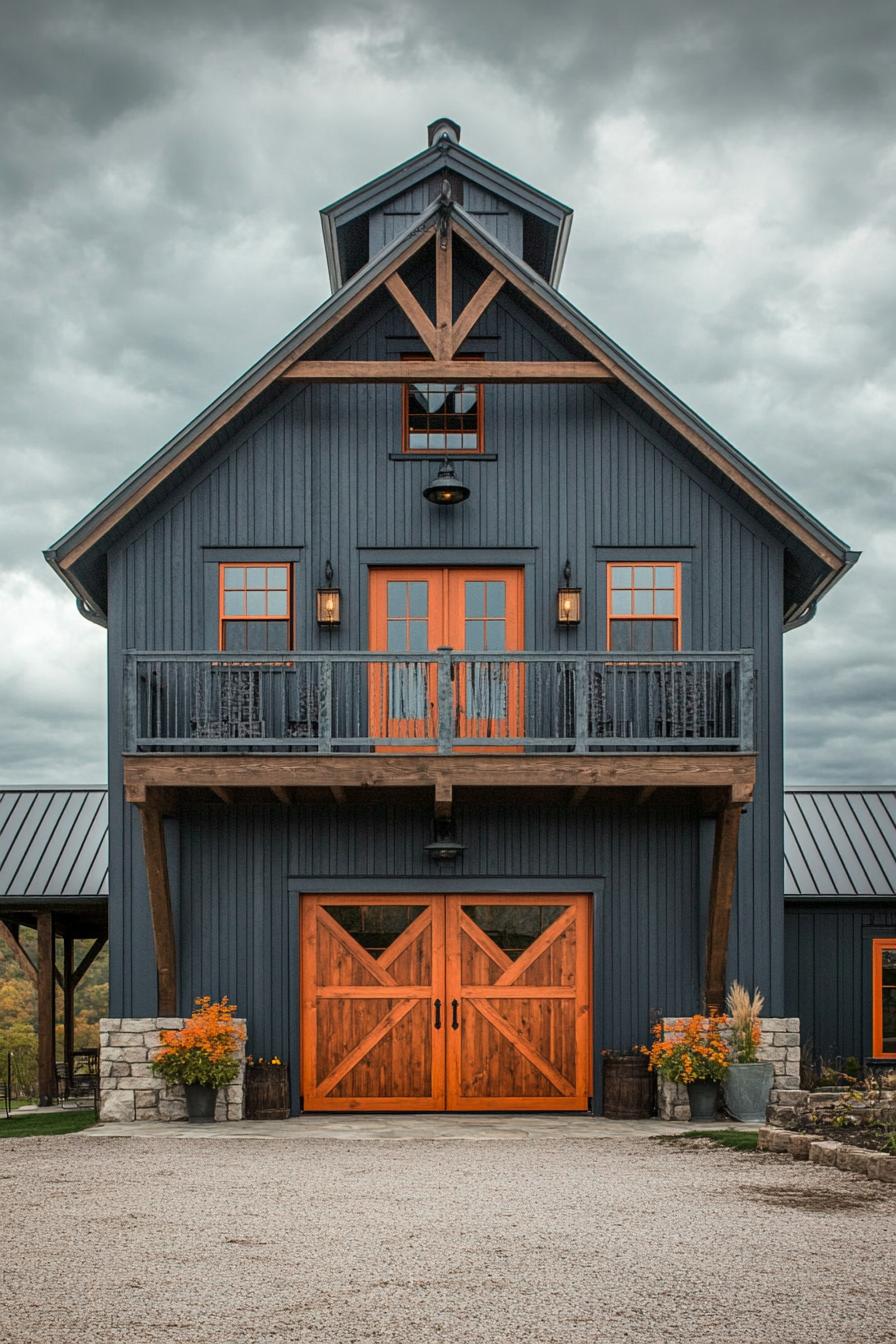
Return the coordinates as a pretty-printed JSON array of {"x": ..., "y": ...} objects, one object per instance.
[{"x": 258, "y": 1241}]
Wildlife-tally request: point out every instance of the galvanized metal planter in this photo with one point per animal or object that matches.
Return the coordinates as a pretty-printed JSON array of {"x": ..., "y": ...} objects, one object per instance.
[{"x": 747, "y": 1088}]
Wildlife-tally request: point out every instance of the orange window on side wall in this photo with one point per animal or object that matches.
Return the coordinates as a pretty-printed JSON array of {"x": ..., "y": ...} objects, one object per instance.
[
  {"x": 254, "y": 607},
  {"x": 883, "y": 992},
  {"x": 644, "y": 607}
]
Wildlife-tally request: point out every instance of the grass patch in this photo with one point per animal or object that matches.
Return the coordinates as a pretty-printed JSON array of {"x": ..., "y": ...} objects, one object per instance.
[
  {"x": 36, "y": 1126},
  {"x": 741, "y": 1140}
]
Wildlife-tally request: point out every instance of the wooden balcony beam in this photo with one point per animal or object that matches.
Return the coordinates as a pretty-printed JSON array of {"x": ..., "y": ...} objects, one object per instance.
[
  {"x": 448, "y": 371},
  {"x": 733, "y": 773}
]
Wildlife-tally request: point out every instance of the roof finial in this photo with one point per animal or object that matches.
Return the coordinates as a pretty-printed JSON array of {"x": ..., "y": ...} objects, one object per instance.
[{"x": 443, "y": 128}]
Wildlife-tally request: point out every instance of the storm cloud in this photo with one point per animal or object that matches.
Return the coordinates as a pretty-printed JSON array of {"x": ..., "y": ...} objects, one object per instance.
[{"x": 733, "y": 173}]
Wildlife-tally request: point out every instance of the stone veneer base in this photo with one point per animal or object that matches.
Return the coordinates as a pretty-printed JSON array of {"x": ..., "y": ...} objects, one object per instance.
[
  {"x": 128, "y": 1088},
  {"x": 780, "y": 1045}
]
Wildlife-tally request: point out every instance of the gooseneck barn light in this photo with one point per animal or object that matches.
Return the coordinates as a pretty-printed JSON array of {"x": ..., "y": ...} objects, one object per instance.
[{"x": 446, "y": 488}]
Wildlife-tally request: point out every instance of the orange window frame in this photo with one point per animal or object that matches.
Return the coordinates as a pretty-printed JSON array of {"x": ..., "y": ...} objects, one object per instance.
[
  {"x": 441, "y": 452},
  {"x": 878, "y": 947},
  {"x": 244, "y": 565},
  {"x": 650, "y": 616}
]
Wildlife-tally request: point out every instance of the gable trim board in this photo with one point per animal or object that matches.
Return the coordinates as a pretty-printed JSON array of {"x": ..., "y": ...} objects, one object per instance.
[{"x": 278, "y": 363}]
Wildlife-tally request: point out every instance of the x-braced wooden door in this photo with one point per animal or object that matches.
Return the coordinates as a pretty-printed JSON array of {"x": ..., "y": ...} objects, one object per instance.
[
  {"x": 464, "y": 1003},
  {"x": 373, "y": 973}
]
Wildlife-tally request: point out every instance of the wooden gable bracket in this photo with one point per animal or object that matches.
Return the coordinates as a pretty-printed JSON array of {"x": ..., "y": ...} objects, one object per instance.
[{"x": 444, "y": 337}]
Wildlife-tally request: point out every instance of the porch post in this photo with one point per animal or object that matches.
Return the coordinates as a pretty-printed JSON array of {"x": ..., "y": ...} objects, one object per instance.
[
  {"x": 721, "y": 896},
  {"x": 160, "y": 907},
  {"x": 46, "y": 1009},
  {"x": 68, "y": 1004}
]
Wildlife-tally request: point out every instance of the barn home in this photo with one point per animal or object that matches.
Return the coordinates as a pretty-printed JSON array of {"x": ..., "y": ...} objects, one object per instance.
[{"x": 445, "y": 694}]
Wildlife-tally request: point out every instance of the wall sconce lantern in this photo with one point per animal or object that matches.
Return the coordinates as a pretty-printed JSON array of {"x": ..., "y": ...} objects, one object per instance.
[
  {"x": 329, "y": 600},
  {"x": 446, "y": 846},
  {"x": 446, "y": 488},
  {"x": 569, "y": 600}
]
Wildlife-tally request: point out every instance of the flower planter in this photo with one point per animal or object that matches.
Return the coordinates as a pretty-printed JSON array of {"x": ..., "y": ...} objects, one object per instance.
[
  {"x": 747, "y": 1088},
  {"x": 703, "y": 1098},
  {"x": 628, "y": 1088},
  {"x": 200, "y": 1103},
  {"x": 267, "y": 1092}
]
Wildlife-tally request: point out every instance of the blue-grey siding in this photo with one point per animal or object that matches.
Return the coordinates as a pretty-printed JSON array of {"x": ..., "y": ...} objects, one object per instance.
[
  {"x": 828, "y": 972},
  {"x": 575, "y": 474}
]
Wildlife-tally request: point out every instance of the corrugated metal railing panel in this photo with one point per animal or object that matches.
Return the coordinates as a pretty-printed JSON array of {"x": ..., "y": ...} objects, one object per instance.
[{"x": 443, "y": 701}]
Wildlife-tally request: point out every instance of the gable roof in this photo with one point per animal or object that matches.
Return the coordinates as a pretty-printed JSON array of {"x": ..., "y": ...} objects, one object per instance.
[
  {"x": 54, "y": 843},
  {"x": 840, "y": 842},
  {"x": 830, "y": 556}
]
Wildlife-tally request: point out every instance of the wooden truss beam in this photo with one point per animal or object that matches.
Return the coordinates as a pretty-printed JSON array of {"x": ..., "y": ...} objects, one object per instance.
[
  {"x": 413, "y": 311},
  {"x": 449, "y": 370},
  {"x": 160, "y": 908},
  {"x": 721, "y": 898},
  {"x": 484, "y": 295},
  {"x": 12, "y": 942}
]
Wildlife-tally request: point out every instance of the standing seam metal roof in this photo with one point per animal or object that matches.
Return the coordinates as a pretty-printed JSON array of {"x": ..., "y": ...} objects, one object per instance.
[
  {"x": 840, "y": 842},
  {"x": 54, "y": 843}
]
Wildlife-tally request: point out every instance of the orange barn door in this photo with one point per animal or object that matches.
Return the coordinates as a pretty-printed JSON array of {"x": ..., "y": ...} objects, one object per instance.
[
  {"x": 373, "y": 995},
  {"x": 519, "y": 1003}
]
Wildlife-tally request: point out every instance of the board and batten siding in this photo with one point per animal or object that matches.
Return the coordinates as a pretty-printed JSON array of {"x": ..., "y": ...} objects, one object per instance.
[
  {"x": 568, "y": 472},
  {"x": 827, "y": 980}
]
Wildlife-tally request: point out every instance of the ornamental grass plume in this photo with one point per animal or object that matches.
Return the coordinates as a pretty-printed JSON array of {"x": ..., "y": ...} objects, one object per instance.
[
  {"x": 746, "y": 1032},
  {"x": 205, "y": 1049},
  {"x": 690, "y": 1051}
]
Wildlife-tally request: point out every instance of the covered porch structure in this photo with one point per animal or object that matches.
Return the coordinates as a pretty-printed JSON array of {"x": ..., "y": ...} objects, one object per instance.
[{"x": 54, "y": 881}]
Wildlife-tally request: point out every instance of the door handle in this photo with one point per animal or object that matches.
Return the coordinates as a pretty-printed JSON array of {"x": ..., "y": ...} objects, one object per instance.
[
  {"x": 438, "y": 1008},
  {"x": 454, "y": 1022}
]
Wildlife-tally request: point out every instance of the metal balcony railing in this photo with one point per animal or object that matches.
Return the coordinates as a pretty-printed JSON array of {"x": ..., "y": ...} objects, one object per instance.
[{"x": 443, "y": 701}]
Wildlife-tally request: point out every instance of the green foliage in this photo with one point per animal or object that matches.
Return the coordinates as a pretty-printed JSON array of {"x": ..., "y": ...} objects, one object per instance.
[
  {"x": 741, "y": 1140},
  {"x": 35, "y": 1125},
  {"x": 195, "y": 1066}
]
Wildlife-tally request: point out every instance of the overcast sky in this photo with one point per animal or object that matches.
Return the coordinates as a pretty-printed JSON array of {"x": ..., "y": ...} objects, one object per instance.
[{"x": 732, "y": 170}]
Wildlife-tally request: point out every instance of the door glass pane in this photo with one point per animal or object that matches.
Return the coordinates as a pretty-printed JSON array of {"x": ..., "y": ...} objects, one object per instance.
[
  {"x": 474, "y": 640},
  {"x": 396, "y": 636},
  {"x": 375, "y": 927},
  {"x": 495, "y": 597},
  {"x": 417, "y": 640},
  {"x": 513, "y": 927},
  {"x": 495, "y": 636},
  {"x": 475, "y": 599},
  {"x": 418, "y": 594},
  {"x": 396, "y": 599}
]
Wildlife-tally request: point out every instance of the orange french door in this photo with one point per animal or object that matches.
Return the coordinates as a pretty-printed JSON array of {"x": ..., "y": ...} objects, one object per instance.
[
  {"x": 416, "y": 611},
  {"x": 373, "y": 972},
  {"x": 459, "y": 1003}
]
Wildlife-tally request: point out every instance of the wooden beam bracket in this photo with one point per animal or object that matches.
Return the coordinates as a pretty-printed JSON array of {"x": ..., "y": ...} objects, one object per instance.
[
  {"x": 160, "y": 908},
  {"x": 721, "y": 899}
]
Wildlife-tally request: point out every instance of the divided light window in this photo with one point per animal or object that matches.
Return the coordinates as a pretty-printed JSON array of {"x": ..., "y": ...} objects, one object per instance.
[
  {"x": 644, "y": 608},
  {"x": 254, "y": 608},
  {"x": 442, "y": 418},
  {"x": 883, "y": 985}
]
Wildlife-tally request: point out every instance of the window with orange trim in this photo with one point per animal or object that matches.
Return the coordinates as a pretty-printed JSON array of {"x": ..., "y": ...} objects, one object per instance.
[
  {"x": 442, "y": 418},
  {"x": 644, "y": 607},
  {"x": 883, "y": 988},
  {"x": 254, "y": 607}
]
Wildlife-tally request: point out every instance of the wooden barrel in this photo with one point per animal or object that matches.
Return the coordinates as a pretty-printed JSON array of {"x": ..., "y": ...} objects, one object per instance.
[
  {"x": 628, "y": 1087},
  {"x": 267, "y": 1092}
]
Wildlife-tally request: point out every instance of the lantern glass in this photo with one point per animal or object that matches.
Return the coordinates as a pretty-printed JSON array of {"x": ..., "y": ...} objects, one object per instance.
[
  {"x": 569, "y": 606},
  {"x": 329, "y": 606}
]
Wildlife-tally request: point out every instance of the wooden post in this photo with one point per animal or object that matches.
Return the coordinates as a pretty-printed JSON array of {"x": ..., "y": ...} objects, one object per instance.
[
  {"x": 68, "y": 1004},
  {"x": 160, "y": 907},
  {"x": 46, "y": 1009},
  {"x": 721, "y": 896}
]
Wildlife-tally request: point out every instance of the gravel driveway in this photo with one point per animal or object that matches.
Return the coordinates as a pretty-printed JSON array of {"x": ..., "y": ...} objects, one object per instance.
[{"x": 528, "y": 1240}]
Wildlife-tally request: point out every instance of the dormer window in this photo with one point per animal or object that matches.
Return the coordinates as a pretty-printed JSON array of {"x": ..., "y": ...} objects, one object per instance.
[
  {"x": 444, "y": 419},
  {"x": 255, "y": 606}
]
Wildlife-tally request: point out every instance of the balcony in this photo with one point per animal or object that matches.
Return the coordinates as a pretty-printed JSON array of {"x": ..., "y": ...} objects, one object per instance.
[{"x": 444, "y": 703}]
